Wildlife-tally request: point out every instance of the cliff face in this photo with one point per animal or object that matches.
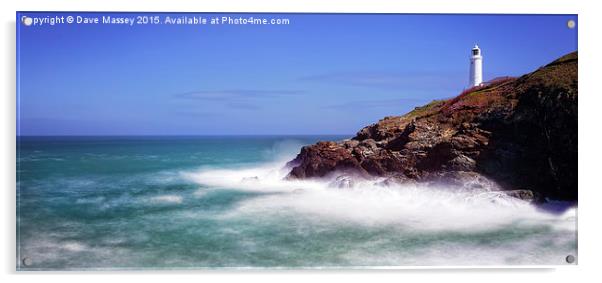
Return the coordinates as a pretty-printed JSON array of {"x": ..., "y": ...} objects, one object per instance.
[{"x": 520, "y": 132}]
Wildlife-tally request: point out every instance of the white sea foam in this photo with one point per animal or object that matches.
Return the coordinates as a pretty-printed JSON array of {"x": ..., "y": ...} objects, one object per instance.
[
  {"x": 200, "y": 193},
  {"x": 47, "y": 249},
  {"x": 512, "y": 231},
  {"x": 169, "y": 199},
  {"x": 417, "y": 207},
  {"x": 74, "y": 246},
  {"x": 311, "y": 222}
]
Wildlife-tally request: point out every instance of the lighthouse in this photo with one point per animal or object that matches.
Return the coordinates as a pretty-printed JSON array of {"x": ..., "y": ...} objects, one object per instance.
[{"x": 476, "y": 67}]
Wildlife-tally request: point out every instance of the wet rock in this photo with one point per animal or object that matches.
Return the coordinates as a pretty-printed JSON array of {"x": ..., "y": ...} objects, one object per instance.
[
  {"x": 350, "y": 144},
  {"x": 517, "y": 133},
  {"x": 343, "y": 182},
  {"x": 250, "y": 179},
  {"x": 526, "y": 195},
  {"x": 321, "y": 159},
  {"x": 395, "y": 181}
]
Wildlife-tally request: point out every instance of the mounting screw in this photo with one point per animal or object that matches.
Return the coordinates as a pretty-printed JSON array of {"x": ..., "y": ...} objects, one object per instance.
[
  {"x": 570, "y": 258},
  {"x": 27, "y": 261},
  {"x": 570, "y": 24},
  {"x": 27, "y": 20}
]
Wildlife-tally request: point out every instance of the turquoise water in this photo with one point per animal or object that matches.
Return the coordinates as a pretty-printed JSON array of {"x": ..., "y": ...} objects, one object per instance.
[{"x": 197, "y": 202}]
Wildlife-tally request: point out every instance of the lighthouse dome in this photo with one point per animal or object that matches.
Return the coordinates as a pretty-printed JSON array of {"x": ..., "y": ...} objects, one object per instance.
[{"x": 476, "y": 51}]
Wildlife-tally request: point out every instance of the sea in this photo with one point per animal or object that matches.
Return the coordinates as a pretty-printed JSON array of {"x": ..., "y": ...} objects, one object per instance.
[{"x": 189, "y": 202}]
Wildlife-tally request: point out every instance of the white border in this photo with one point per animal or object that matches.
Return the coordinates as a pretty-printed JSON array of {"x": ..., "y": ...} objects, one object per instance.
[{"x": 589, "y": 154}]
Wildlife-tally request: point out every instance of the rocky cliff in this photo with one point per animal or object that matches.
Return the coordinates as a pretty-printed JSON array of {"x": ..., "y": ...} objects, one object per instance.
[{"x": 519, "y": 132}]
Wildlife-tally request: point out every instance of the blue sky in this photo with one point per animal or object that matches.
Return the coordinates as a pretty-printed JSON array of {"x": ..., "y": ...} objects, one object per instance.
[{"x": 320, "y": 74}]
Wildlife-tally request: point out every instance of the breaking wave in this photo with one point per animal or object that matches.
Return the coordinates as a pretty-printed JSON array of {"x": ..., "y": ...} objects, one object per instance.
[
  {"x": 249, "y": 215},
  {"x": 394, "y": 224},
  {"x": 371, "y": 202}
]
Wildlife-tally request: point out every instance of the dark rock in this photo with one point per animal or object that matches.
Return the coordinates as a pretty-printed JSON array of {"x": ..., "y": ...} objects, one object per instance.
[
  {"x": 343, "y": 182},
  {"x": 350, "y": 144},
  {"x": 250, "y": 179},
  {"x": 526, "y": 195},
  {"x": 323, "y": 158},
  {"x": 396, "y": 180},
  {"x": 517, "y": 132}
]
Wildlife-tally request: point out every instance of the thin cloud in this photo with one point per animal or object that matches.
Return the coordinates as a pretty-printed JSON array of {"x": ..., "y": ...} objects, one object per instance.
[
  {"x": 196, "y": 114},
  {"x": 241, "y": 99},
  {"x": 243, "y": 105},
  {"x": 390, "y": 80},
  {"x": 224, "y": 95},
  {"x": 387, "y": 103}
]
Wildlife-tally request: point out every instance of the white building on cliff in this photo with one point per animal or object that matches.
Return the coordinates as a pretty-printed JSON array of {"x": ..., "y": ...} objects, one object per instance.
[{"x": 476, "y": 67}]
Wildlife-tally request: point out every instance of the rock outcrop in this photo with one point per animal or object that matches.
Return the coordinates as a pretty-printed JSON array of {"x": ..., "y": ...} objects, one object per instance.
[{"x": 519, "y": 132}]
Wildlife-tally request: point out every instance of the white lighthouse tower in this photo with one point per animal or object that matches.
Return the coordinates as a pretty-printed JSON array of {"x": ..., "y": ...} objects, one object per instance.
[{"x": 476, "y": 67}]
